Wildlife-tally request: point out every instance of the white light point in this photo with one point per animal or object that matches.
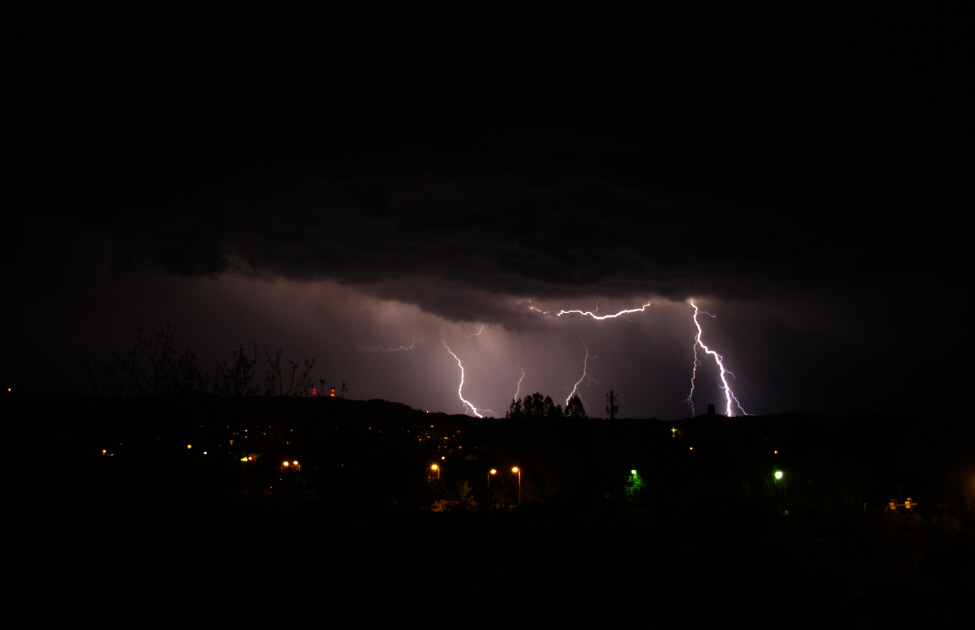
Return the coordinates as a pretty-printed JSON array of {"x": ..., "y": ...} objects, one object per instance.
[
  {"x": 719, "y": 360},
  {"x": 460, "y": 389},
  {"x": 602, "y": 317}
]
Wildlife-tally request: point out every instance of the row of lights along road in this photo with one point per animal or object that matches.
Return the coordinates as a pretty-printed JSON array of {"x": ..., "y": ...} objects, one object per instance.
[{"x": 493, "y": 471}]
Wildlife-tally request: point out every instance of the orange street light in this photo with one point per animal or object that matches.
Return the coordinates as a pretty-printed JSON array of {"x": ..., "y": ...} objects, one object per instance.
[{"x": 437, "y": 468}]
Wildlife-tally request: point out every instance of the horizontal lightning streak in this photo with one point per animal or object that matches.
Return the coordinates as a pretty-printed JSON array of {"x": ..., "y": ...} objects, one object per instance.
[
  {"x": 397, "y": 349},
  {"x": 602, "y": 317}
]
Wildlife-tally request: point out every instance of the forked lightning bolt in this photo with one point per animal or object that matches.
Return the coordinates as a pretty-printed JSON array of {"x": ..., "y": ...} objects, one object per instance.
[
  {"x": 575, "y": 388},
  {"x": 460, "y": 390},
  {"x": 518, "y": 388},
  {"x": 719, "y": 360}
]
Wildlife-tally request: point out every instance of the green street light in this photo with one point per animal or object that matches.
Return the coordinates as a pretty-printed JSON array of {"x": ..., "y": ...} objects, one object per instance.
[{"x": 778, "y": 474}]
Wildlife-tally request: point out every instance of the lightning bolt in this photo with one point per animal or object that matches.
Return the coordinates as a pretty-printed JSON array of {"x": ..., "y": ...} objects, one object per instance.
[
  {"x": 478, "y": 333},
  {"x": 460, "y": 389},
  {"x": 575, "y": 388},
  {"x": 518, "y": 389},
  {"x": 719, "y": 360},
  {"x": 602, "y": 317},
  {"x": 397, "y": 349}
]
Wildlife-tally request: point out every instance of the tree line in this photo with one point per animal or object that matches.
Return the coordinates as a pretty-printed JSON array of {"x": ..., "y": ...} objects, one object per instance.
[
  {"x": 155, "y": 365},
  {"x": 538, "y": 407}
]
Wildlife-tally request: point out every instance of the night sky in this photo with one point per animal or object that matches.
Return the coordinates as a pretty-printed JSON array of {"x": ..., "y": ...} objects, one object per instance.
[{"x": 371, "y": 187}]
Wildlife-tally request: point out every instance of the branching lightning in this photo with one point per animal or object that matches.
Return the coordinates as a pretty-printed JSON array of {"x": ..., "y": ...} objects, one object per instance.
[
  {"x": 732, "y": 404},
  {"x": 397, "y": 349},
  {"x": 601, "y": 317},
  {"x": 460, "y": 389},
  {"x": 719, "y": 360},
  {"x": 585, "y": 375}
]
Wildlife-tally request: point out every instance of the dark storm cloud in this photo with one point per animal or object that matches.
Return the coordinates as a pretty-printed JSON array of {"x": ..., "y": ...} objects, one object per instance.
[
  {"x": 308, "y": 178},
  {"x": 192, "y": 256},
  {"x": 420, "y": 239},
  {"x": 618, "y": 154},
  {"x": 615, "y": 154}
]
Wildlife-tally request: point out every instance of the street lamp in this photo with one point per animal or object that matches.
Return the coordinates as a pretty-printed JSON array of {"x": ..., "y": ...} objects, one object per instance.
[
  {"x": 493, "y": 471},
  {"x": 518, "y": 470},
  {"x": 780, "y": 476},
  {"x": 437, "y": 468}
]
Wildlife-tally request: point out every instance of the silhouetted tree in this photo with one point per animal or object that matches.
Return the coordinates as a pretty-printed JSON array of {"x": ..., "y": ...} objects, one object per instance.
[
  {"x": 575, "y": 408},
  {"x": 515, "y": 410},
  {"x": 154, "y": 365},
  {"x": 463, "y": 490},
  {"x": 636, "y": 490},
  {"x": 534, "y": 407},
  {"x": 298, "y": 382},
  {"x": 237, "y": 379},
  {"x": 848, "y": 484}
]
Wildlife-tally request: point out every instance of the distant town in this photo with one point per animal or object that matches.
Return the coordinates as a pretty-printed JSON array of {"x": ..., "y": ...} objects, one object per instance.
[{"x": 806, "y": 486}]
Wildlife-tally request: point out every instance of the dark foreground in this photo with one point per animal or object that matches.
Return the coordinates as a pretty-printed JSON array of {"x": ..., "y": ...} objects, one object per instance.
[
  {"x": 285, "y": 561},
  {"x": 155, "y": 537}
]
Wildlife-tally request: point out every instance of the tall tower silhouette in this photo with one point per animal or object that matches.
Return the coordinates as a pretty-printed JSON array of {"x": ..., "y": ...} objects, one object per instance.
[{"x": 612, "y": 407}]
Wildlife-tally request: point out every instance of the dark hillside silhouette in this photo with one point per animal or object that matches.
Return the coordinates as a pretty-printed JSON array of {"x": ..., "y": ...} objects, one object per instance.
[{"x": 633, "y": 513}]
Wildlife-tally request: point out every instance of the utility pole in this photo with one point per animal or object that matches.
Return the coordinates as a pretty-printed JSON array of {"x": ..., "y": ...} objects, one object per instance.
[{"x": 612, "y": 407}]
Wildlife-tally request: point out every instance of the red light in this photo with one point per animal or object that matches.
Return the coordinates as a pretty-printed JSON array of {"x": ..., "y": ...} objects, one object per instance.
[
  {"x": 333, "y": 392},
  {"x": 314, "y": 391}
]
